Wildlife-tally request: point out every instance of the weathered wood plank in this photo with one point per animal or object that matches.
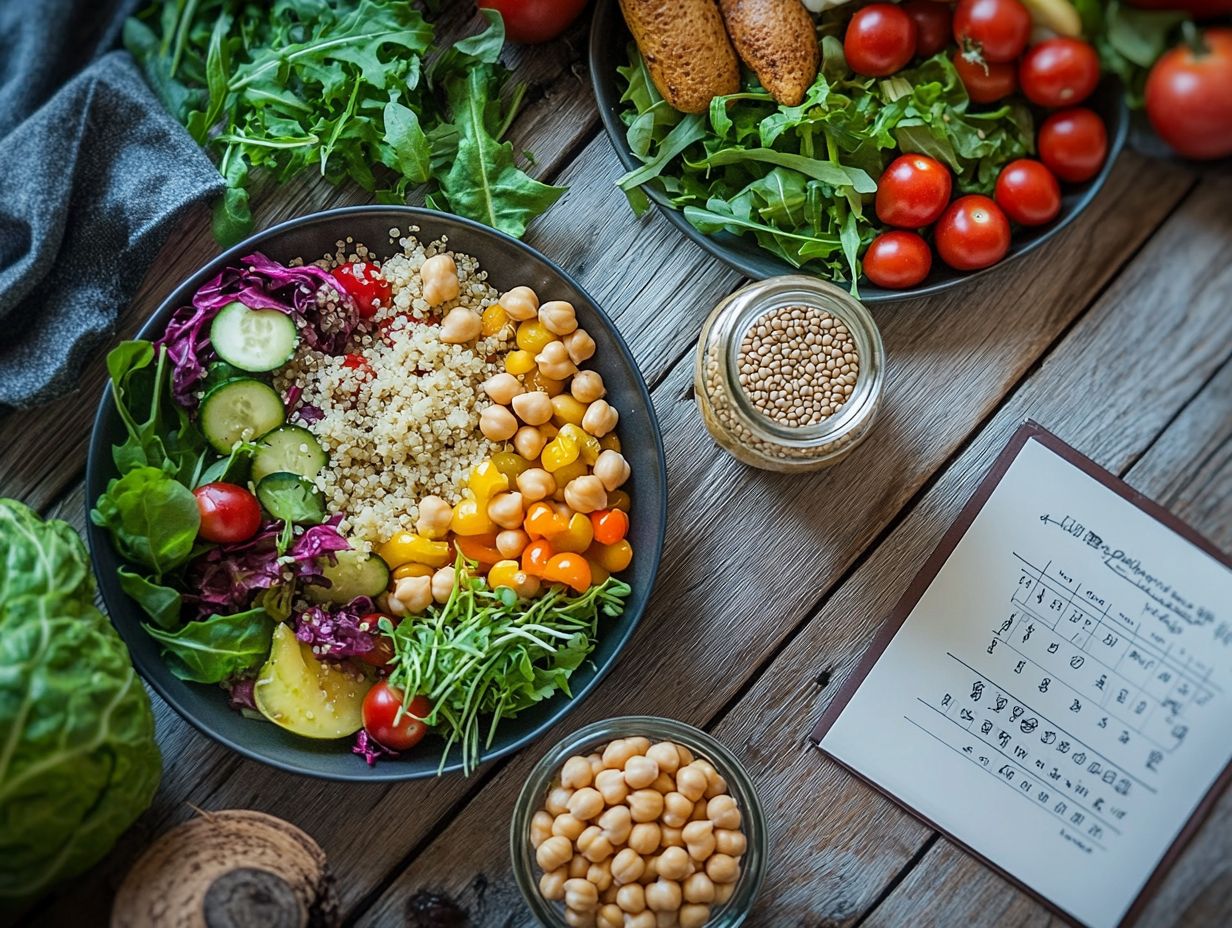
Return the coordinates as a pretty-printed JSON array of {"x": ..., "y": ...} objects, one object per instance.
[
  {"x": 1189, "y": 471},
  {"x": 780, "y": 541}
]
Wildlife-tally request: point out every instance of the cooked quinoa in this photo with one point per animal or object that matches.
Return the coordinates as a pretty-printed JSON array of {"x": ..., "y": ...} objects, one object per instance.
[{"x": 405, "y": 423}]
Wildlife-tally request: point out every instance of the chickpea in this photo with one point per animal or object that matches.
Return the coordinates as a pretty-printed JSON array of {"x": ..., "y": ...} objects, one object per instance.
[
  {"x": 664, "y": 753},
  {"x": 673, "y": 863},
  {"x": 693, "y": 915},
  {"x": 715, "y": 784},
  {"x": 594, "y": 845},
  {"x": 554, "y": 361},
  {"x": 601, "y": 417},
  {"x": 581, "y": 895},
  {"x": 580, "y": 345},
  {"x": 650, "y": 872},
  {"x": 460, "y": 325},
  {"x": 411, "y": 595},
  {"x": 645, "y": 805},
  {"x": 722, "y": 868},
  {"x": 618, "y": 752},
  {"x": 631, "y": 897},
  {"x": 578, "y": 865},
  {"x": 497, "y": 423},
  {"x": 558, "y": 317},
  {"x": 645, "y": 838},
  {"x": 661, "y": 895},
  {"x": 434, "y": 517},
  {"x": 686, "y": 756},
  {"x": 557, "y": 802},
  {"x": 611, "y": 783},
  {"x": 698, "y": 888},
  {"x": 587, "y": 386},
  {"x": 616, "y": 823},
  {"x": 600, "y": 874},
  {"x": 667, "y": 920},
  {"x": 586, "y": 494},
  {"x": 567, "y": 825},
  {"x": 664, "y": 784},
  {"x": 552, "y": 884},
  {"x": 540, "y": 828},
  {"x": 676, "y": 810},
  {"x": 529, "y": 442},
  {"x": 534, "y": 408},
  {"x": 642, "y": 919},
  {"x": 671, "y": 836},
  {"x": 732, "y": 843},
  {"x": 503, "y": 387},
  {"x": 691, "y": 781},
  {"x": 576, "y": 773},
  {"x": 576, "y": 919},
  {"x": 511, "y": 542},
  {"x": 595, "y": 759},
  {"x": 439, "y": 276},
  {"x": 586, "y": 803},
  {"x": 608, "y": 896},
  {"x": 699, "y": 839},
  {"x": 506, "y": 510},
  {"x": 610, "y": 916},
  {"x": 442, "y": 584},
  {"x": 627, "y": 866},
  {"x": 520, "y": 303},
  {"x": 613, "y": 470},
  {"x": 699, "y": 813},
  {"x": 723, "y": 811},
  {"x": 555, "y": 852},
  {"x": 535, "y": 484},
  {"x": 638, "y": 744},
  {"x": 723, "y": 892},
  {"x": 640, "y": 770}
]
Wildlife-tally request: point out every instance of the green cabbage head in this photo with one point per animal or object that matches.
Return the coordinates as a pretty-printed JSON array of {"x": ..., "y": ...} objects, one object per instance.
[{"x": 78, "y": 762}]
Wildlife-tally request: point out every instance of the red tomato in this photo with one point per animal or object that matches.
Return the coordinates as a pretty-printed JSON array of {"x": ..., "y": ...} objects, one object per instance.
[
  {"x": 1189, "y": 96},
  {"x": 383, "y": 649},
  {"x": 1028, "y": 192},
  {"x": 880, "y": 40},
  {"x": 228, "y": 513},
  {"x": 364, "y": 283},
  {"x": 1059, "y": 72},
  {"x": 972, "y": 234},
  {"x": 381, "y": 722},
  {"x": 1073, "y": 143},
  {"x": 986, "y": 82},
  {"x": 913, "y": 191},
  {"x": 998, "y": 29},
  {"x": 530, "y": 21},
  {"x": 897, "y": 259},
  {"x": 933, "y": 22}
]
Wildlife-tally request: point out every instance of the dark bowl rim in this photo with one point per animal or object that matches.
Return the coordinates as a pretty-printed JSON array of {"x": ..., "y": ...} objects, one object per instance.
[
  {"x": 607, "y": 101},
  {"x": 99, "y": 465}
]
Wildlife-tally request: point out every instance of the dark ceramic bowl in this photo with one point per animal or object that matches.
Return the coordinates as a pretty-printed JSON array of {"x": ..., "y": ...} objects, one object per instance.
[
  {"x": 508, "y": 263},
  {"x": 609, "y": 39}
]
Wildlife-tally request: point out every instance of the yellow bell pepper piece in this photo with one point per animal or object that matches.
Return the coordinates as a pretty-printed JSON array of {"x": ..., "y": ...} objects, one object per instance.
[
  {"x": 577, "y": 537},
  {"x": 560, "y": 451},
  {"x": 406, "y": 547},
  {"x": 494, "y": 319},
  {"x": 413, "y": 570},
  {"x": 469, "y": 518},
  {"x": 519, "y": 362},
  {"x": 536, "y": 381},
  {"x": 609, "y": 442},
  {"x": 588, "y": 446},
  {"x": 504, "y": 573},
  {"x": 570, "y": 472},
  {"x": 565, "y": 409},
  {"x": 485, "y": 481},
  {"x": 532, "y": 336},
  {"x": 510, "y": 463}
]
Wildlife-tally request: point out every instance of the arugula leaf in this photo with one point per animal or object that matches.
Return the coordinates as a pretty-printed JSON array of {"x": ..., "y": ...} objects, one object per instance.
[
  {"x": 214, "y": 649},
  {"x": 153, "y": 518}
]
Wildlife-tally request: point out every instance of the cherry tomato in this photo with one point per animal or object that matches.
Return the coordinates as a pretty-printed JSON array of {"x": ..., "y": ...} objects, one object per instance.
[
  {"x": 530, "y": 21},
  {"x": 228, "y": 513},
  {"x": 913, "y": 191},
  {"x": 381, "y": 722},
  {"x": 933, "y": 22},
  {"x": 382, "y": 651},
  {"x": 1059, "y": 72},
  {"x": 535, "y": 557},
  {"x": 880, "y": 40},
  {"x": 573, "y": 570},
  {"x": 998, "y": 29},
  {"x": 897, "y": 259},
  {"x": 1073, "y": 143},
  {"x": 1189, "y": 96},
  {"x": 364, "y": 283},
  {"x": 986, "y": 82},
  {"x": 973, "y": 233},
  {"x": 610, "y": 525},
  {"x": 1028, "y": 192},
  {"x": 481, "y": 548}
]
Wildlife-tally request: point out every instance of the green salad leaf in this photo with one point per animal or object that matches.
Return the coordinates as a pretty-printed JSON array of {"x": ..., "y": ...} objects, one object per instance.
[
  {"x": 161, "y": 603},
  {"x": 78, "y": 761},
  {"x": 217, "y": 648},
  {"x": 153, "y": 518},
  {"x": 1128, "y": 39}
]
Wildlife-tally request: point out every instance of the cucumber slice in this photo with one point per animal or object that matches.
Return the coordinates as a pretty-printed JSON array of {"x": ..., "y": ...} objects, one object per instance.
[
  {"x": 253, "y": 339},
  {"x": 240, "y": 410},
  {"x": 355, "y": 574},
  {"x": 219, "y": 373},
  {"x": 292, "y": 498},
  {"x": 290, "y": 449}
]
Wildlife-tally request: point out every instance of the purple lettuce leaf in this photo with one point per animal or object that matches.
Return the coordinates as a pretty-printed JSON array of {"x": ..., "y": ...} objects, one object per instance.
[{"x": 370, "y": 749}]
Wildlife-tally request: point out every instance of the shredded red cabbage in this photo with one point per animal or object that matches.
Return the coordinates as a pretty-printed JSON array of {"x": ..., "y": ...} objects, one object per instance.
[
  {"x": 339, "y": 633},
  {"x": 241, "y": 694},
  {"x": 370, "y": 749},
  {"x": 304, "y": 293}
]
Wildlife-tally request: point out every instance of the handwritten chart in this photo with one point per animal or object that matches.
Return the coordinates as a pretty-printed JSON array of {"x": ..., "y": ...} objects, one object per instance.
[{"x": 1059, "y": 697}]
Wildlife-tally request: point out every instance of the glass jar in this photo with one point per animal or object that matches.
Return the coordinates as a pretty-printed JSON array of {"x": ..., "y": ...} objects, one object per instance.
[
  {"x": 583, "y": 741},
  {"x": 735, "y": 421}
]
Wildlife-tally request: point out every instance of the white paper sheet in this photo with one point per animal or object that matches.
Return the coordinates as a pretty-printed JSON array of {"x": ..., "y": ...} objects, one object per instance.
[{"x": 1060, "y": 698}]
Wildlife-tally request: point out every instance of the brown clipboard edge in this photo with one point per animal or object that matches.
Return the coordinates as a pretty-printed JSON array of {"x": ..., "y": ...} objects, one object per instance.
[{"x": 1030, "y": 429}]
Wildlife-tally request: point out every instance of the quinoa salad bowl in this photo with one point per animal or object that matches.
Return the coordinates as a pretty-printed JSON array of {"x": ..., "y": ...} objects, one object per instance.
[{"x": 377, "y": 494}]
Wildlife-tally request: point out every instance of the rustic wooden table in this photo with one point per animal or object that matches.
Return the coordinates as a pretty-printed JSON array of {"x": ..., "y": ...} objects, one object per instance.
[{"x": 1117, "y": 336}]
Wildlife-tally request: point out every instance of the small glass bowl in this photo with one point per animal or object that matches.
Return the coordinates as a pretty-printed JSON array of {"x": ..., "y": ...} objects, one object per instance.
[
  {"x": 752, "y": 864},
  {"x": 731, "y": 416}
]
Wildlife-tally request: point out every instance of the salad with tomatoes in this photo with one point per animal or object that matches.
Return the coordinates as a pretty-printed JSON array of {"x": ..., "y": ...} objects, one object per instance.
[
  {"x": 931, "y": 132},
  {"x": 370, "y": 499}
]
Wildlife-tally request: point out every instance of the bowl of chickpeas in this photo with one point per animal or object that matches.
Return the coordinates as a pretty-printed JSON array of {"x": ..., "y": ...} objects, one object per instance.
[{"x": 639, "y": 822}]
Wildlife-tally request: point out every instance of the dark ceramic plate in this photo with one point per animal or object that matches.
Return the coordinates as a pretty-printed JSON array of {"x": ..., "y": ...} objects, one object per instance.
[
  {"x": 608, "y": 40},
  {"x": 508, "y": 263}
]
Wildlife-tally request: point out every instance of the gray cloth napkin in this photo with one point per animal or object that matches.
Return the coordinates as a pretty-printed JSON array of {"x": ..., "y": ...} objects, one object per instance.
[{"x": 92, "y": 172}]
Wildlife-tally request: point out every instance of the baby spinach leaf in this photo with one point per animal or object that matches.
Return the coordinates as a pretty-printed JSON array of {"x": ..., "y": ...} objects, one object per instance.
[
  {"x": 214, "y": 649},
  {"x": 161, "y": 603},
  {"x": 152, "y": 517}
]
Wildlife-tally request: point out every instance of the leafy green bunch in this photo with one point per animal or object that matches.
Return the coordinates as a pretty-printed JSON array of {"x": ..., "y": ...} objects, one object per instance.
[
  {"x": 1129, "y": 40},
  {"x": 342, "y": 87},
  {"x": 484, "y": 652}
]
